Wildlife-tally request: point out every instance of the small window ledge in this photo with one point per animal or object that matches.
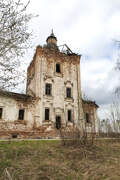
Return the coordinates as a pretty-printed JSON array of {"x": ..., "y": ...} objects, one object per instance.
[
  {"x": 49, "y": 97},
  {"x": 46, "y": 122},
  {"x": 20, "y": 122},
  {"x": 69, "y": 99},
  {"x": 70, "y": 122},
  {"x": 88, "y": 124},
  {"x": 58, "y": 74}
]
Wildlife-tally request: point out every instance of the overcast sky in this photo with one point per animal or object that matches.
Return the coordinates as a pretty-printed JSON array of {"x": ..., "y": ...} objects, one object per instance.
[{"x": 88, "y": 27}]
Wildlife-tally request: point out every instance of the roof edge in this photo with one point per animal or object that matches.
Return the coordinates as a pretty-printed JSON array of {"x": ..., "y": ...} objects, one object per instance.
[
  {"x": 15, "y": 95},
  {"x": 90, "y": 102}
]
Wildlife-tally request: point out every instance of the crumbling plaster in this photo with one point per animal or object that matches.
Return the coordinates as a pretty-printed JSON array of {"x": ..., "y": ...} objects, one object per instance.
[
  {"x": 42, "y": 70},
  {"x": 44, "y": 64},
  {"x": 10, "y": 113}
]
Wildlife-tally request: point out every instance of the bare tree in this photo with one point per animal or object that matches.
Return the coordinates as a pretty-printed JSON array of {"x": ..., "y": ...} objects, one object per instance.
[
  {"x": 114, "y": 114},
  {"x": 111, "y": 125},
  {"x": 117, "y": 44},
  {"x": 14, "y": 39}
]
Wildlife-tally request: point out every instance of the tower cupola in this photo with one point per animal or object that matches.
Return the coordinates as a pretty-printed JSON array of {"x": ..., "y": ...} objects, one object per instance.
[{"x": 52, "y": 41}]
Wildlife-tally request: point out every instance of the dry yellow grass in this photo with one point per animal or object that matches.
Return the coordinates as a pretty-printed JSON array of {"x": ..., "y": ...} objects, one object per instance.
[{"x": 49, "y": 160}]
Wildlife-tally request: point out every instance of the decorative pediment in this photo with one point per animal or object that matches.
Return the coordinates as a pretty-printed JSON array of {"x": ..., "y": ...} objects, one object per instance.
[
  {"x": 48, "y": 78},
  {"x": 59, "y": 110},
  {"x": 68, "y": 83}
]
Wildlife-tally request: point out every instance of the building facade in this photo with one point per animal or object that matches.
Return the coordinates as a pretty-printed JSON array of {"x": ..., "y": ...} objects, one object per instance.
[{"x": 53, "y": 97}]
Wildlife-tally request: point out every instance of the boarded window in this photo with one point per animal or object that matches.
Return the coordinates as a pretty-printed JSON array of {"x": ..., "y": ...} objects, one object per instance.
[
  {"x": 47, "y": 113},
  {"x": 48, "y": 89},
  {"x": 69, "y": 115},
  {"x": 58, "y": 68},
  {"x": 1, "y": 112},
  {"x": 68, "y": 92},
  {"x": 87, "y": 118},
  {"x": 21, "y": 114}
]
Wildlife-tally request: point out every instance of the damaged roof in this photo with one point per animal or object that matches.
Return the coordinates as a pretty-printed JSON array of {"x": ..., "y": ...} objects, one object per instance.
[
  {"x": 15, "y": 95},
  {"x": 90, "y": 102}
]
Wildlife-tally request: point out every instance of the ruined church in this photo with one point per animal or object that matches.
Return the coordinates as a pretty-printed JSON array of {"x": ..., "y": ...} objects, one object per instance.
[{"x": 53, "y": 98}]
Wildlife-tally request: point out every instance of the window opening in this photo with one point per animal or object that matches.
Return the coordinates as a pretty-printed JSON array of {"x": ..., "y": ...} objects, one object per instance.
[
  {"x": 14, "y": 136},
  {"x": 69, "y": 115},
  {"x": 87, "y": 118},
  {"x": 48, "y": 89},
  {"x": 68, "y": 92},
  {"x": 47, "y": 112},
  {"x": 1, "y": 112},
  {"x": 21, "y": 114},
  {"x": 58, "y": 68}
]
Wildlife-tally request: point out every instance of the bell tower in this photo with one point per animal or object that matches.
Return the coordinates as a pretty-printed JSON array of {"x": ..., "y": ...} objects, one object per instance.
[{"x": 53, "y": 78}]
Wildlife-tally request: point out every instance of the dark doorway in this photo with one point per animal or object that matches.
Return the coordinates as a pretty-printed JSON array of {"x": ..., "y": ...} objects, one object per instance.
[
  {"x": 47, "y": 113},
  {"x": 69, "y": 115},
  {"x": 58, "y": 122}
]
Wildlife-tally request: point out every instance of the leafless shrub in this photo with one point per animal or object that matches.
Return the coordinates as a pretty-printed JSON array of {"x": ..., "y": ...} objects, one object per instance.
[
  {"x": 77, "y": 138},
  {"x": 14, "y": 39},
  {"x": 109, "y": 135}
]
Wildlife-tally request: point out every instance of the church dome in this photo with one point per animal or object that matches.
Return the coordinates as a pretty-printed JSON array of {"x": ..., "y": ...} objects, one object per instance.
[{"x": 52, "y": 41}]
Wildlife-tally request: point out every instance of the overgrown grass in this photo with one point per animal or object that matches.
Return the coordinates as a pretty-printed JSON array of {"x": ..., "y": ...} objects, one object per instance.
[{"x": 49, "y": 160}]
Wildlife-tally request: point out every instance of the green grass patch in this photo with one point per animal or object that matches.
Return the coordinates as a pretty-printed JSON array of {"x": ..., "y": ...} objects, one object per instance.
[{"x": 50, "y": 160}]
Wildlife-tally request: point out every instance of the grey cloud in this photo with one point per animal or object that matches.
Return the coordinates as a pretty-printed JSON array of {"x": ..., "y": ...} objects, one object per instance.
[
  {"x": 102, "y": 91},
  {"x": 88, "y": 27},
  {"x": 100, "y": 95}
]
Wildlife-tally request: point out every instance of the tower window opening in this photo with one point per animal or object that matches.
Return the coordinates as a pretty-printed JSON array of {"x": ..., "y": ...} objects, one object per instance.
[
  {"x": 68, "y": 92},
  {"x": 48, "y": 89},
  {"x": 87, "y": 118},
  {"x": 58, "y": 68}
]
